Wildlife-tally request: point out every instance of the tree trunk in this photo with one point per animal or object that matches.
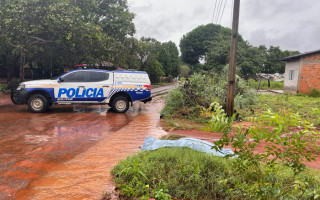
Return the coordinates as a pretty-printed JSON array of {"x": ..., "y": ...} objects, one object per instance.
[
  {"x": 268, "y": 82},
  {"x": 22, "y": 63}
]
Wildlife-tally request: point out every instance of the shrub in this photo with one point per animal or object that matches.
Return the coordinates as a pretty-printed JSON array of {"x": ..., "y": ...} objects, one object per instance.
[
  {"x": 288, "y": 140},
  {"x": 200, "y": 91},
  {"x": 4, "y": 88},
  {"x": 186, "y": 174},
  {"x": 314, "y": 93}
]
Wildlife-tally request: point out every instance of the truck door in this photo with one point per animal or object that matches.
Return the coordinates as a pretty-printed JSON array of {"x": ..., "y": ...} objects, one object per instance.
[
  {"x": 71, "y": 87},
  {"x": 98, "y": 86}
]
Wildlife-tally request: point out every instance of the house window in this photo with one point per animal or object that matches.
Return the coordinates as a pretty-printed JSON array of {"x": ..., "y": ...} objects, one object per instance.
[{"x": 291, "y": 74}]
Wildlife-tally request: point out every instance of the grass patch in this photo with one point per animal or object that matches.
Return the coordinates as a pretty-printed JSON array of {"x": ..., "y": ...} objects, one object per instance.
[
  {"x": 180, "y": 123},
  {"x": 186, "y": 174},
  {"x": 308, "y": 107},
  {"x": 172, "y": 137},
  {"x": 274, "y": 85}
]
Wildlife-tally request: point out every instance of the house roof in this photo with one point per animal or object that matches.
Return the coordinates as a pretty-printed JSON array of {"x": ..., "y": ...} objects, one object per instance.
[{"x": 295, "y": 57}]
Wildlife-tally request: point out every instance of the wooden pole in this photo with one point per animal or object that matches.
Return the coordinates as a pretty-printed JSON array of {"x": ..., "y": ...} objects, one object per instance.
[{"x": 233, "y": 53}]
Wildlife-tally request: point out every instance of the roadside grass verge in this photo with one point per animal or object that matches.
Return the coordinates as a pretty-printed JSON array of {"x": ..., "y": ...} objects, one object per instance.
[
  {"x": 186, "y": 174},
  {"x": 274, "y": 85},
  {"x": 308, "y": 107},
  {"x": 180, "y": 123}
]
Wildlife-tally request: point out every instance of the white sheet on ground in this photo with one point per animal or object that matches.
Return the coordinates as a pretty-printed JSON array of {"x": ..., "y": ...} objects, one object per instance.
[{"x": 151, "y": 143}]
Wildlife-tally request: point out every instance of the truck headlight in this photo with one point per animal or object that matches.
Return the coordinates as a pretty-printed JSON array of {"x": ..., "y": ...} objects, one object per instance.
[{"x": 21, "y": 86}]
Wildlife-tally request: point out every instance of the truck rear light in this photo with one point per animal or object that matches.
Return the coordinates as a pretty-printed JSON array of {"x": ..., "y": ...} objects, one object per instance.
[{"x": 148, "y": 86}]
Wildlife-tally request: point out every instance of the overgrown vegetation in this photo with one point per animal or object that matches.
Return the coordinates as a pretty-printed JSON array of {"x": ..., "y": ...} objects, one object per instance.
[
  {"x": 274, "y": 85},
  {"x": 3, "y": 88},
  {"x": 200, "y": 91},
  {"x": 186, "y": 174},
  {"x": 308, "y": 107},
  {"x": 172, "y": 137}
]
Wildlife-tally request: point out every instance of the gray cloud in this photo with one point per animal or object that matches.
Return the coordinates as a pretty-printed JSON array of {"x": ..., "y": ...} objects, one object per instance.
[{"x": 290, "y": 24}]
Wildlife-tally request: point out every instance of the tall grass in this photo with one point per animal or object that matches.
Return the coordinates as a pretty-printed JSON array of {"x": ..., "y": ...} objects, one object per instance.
[
  {"x": 187, "y": 174},
  {"x": 274, "y": 85},
  {"x": 308, "y": 107}
]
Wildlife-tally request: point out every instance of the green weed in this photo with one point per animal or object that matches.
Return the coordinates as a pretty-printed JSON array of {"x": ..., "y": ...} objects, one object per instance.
[
  {"x": 307, "y": 107},
  {"x": 274, "y": 85},
  {"x": 186, "y": 174}
]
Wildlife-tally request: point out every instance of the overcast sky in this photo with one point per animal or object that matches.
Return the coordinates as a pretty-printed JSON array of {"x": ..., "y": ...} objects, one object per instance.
[{"x": 290, "y": 24}]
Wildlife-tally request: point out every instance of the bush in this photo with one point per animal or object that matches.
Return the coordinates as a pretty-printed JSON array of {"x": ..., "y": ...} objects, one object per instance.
[
  {"x": 186, "y": 174},
  {"x": 314, "y": 93},
  {"x": 4, "y": 88},
  {"x": 200, "y": 91},
  {"x": 288, "y": 140}
]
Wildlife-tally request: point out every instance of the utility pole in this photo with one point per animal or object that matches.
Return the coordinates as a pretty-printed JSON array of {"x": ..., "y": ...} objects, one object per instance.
[{"x": 233, "y": 54}]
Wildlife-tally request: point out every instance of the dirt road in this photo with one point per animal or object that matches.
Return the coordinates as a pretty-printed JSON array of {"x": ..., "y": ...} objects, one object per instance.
[{"x": 68, "y": 152}]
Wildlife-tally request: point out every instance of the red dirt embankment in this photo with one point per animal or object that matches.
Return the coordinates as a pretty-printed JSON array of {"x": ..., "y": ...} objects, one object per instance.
[{"x": 211, "y": 137}]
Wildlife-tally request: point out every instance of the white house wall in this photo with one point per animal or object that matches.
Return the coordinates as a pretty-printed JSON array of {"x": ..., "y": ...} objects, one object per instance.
[{"x": 292, "y": 85}]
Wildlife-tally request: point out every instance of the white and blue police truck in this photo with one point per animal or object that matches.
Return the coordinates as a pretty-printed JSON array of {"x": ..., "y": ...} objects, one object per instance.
[{"x": 118, "y": 89}]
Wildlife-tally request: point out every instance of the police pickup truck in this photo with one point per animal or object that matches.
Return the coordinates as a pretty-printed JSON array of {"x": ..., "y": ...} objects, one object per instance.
[{"x": 118, "y": 89}]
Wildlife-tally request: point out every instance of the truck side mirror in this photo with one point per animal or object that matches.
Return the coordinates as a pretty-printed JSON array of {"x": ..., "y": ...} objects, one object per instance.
[{"x": 60, "y": 80}]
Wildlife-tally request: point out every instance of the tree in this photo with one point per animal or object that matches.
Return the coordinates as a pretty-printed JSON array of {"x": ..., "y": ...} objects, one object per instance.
[
  {"x": 169, "y": 58},
  {"x": 148, "y": 55},
  {"x": 74, "y": 31},
  {"x": 184, "y": 71}
]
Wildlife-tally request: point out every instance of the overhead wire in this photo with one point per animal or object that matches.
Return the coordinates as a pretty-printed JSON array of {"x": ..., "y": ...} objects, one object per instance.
[
  {"x": 223, "y": 10},
  {"x": 214, "y": 10},
  {"x": 219, "y": 6}
]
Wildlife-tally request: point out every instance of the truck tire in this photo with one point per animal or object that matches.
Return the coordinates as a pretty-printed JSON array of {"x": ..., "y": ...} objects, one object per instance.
[
  {"x": 120, "y": 104},
  {"x": 38, "y": 103}
]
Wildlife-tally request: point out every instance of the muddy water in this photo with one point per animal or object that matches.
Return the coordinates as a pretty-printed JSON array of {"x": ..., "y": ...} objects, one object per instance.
[{"x": 68, "y": 152}]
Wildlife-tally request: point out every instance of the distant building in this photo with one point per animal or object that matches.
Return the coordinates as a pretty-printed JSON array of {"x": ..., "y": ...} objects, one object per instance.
[{"x": 302, "y": 72}]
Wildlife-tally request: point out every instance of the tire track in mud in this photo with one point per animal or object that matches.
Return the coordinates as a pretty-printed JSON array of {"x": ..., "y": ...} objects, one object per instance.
[{"x": 87, "y": 175}]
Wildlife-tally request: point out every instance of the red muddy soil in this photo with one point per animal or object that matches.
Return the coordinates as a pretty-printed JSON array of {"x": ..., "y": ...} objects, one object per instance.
[
  {"x": 210, "y": 137},
  {"x": 68, "y": 152}
]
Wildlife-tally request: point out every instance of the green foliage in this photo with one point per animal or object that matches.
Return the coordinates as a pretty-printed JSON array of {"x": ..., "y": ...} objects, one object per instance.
[
  {"x": 308, "y": 107},
  {"x": 186, "y": 174},
  {"x": 200, "y": 91},
  {"x": 212, "y": 43},
  {"x": 184, "y": 71},
  {"x": 287, "y": 139},
  {"x": 274, "y": 85},
  {"x": 162, "y": 194},
  {"x": 194, "y": 44},
  {"x": 169, "y": 58},
  {"x": 314, "y": 93},
  {"x": 55, "y": 33},
  {"x": 3, "y": 88},
  {"x": 171, "y": 137},
  {"x": 218, "y": 122},
  {"x": 273, "y": 56}
]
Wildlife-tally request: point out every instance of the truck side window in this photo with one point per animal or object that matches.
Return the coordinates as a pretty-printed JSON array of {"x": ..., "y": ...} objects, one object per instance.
[
  {"x": 75, "y": 77},
  {"x": 97, "y": 76}
]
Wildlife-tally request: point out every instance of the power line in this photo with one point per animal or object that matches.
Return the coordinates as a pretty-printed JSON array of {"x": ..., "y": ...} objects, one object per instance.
[
  {"x": 214, "y": 10},
  {"x": 223, "y": 10},
  {"x": 220, "y": 3}
]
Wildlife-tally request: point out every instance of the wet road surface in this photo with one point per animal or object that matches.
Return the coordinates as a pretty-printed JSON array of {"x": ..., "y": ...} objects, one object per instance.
[{"x": 68, "y": 152}]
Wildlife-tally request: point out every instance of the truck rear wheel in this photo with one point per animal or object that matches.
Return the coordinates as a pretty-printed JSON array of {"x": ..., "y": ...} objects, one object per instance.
[
  {"x": 38, "y": 103},
  {"x": 120, "y": 104}
]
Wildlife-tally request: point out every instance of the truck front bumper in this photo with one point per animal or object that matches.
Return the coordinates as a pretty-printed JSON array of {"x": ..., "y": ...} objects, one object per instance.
[{"x": 19, "y": 96}]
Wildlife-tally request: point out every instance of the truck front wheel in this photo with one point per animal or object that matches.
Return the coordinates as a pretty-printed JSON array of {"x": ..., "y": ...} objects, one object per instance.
[
  {"x": 38, "y": 103},
  {"x": 120, "y": 104}
]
